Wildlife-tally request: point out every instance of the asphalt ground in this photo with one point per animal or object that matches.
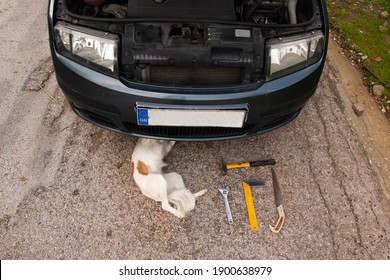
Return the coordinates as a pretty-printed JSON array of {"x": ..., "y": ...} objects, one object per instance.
[{"x": 67, "y": 190}]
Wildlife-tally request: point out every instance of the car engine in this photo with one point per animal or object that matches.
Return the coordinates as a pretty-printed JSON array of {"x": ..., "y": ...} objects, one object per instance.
[
  {"x": 252, "y": 11},
  {"x": 194, "y": 9},
  {"x": 192, "y": 42}
]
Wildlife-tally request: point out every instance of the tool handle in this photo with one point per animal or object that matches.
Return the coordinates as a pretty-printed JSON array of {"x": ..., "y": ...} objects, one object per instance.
[
  {"x": 279, "y": 224},
  {"x": 238, "y": 165},
  {"x": 228, "y": 211},
  {"x": 263, "y": 162}
]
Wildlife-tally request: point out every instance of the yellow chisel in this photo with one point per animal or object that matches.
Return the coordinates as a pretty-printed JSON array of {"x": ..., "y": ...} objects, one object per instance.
[{"x": 249, "y": 202}]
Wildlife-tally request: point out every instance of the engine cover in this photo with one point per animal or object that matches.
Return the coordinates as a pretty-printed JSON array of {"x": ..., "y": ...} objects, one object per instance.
[{"x": 182, "y": 9}]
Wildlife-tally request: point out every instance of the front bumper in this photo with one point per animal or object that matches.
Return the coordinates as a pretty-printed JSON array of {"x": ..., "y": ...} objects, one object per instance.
[{"x": 111, "y": 103}]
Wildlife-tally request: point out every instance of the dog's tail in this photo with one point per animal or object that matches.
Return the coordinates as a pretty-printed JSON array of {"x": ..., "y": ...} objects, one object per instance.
[
  {"x": 200, "y": 193},
  {"x": 183, "y": 199}
]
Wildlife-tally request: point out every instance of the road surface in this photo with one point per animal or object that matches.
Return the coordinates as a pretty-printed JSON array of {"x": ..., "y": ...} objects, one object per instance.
[{"x": 67, "y": 190}]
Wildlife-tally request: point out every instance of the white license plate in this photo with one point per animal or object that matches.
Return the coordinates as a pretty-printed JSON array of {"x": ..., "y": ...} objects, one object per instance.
[{"x": 191, "y": 118}]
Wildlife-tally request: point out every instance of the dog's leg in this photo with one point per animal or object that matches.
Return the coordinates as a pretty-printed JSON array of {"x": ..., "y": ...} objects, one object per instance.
[
  {"x": 167, "y": 207},
  {"x": 155, "y": 187},
  {"x": 163, "y": 195},
  {"x": 174, "y": 181}
]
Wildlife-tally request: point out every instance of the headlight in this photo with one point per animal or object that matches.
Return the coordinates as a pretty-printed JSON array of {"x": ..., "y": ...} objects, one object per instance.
[
  {"x": 95, "y": 49},
  {"x": 290, "y": 54}
]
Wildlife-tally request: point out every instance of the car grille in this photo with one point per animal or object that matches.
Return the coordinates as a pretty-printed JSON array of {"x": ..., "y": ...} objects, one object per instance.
[
  {"x": 182, "y": 132},
  {"x": 195, "y": 75},
  {"x": 188, "y": 132}
]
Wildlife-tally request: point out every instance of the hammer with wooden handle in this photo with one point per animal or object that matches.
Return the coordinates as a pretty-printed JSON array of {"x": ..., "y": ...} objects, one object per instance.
[{"x": 279, "y": 204}]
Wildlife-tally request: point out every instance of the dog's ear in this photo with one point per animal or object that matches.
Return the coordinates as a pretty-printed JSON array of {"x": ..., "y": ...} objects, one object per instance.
[{"x": 142, "y": 168}]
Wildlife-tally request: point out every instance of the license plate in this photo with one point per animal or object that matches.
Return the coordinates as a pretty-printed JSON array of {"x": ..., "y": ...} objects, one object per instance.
[{"x": 190, "y": 118}]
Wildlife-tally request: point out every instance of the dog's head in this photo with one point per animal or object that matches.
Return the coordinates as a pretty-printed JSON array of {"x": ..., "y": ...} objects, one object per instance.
[{"x": 159, "y": 148}]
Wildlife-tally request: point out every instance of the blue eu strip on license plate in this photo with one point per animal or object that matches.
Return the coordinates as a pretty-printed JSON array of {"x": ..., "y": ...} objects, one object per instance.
[{"x": 143, "y": 117}]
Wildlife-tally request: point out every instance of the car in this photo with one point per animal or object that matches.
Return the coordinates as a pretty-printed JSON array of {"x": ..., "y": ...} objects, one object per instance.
[{"x": 188, "y": 70}]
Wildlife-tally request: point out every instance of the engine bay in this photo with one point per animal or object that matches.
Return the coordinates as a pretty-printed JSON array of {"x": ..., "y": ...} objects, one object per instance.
[
  {"x": 245, "y": 11},
  {"x": 193, "y": 42}
]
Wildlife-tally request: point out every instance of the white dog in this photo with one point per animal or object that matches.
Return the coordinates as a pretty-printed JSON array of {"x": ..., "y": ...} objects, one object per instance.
[{"x": 147, "y": 163}]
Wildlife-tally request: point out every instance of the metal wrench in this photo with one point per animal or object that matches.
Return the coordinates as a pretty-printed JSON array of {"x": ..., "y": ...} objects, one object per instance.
[{"x": 225, "y": 191}]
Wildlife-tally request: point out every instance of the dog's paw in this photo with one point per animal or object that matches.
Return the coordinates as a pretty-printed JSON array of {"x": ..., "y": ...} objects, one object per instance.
[
  {"x": 178, "y": 213},
  {"x": 180, "y": 216},
  {"x": 167, "y": 207}
]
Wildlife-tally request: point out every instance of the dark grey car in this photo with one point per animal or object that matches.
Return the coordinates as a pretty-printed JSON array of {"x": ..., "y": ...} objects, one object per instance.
[{"x": 188, "y": 69}]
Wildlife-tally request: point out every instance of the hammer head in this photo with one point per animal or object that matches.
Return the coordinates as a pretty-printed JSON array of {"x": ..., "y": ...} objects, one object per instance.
[{"x": 223, "y": 167}]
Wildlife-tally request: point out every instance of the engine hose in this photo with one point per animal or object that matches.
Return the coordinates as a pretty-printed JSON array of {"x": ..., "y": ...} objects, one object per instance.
[{"x": 292, "y": 11}]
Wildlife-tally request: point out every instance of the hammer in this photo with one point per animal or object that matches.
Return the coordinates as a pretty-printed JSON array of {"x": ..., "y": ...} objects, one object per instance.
[
  {"x": 227, "y": 166},
  {"x": 279, "y": 204}
]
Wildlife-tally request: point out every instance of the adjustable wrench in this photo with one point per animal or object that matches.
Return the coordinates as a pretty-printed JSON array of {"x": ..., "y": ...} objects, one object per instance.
[{"x": 225, "y": 191}]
